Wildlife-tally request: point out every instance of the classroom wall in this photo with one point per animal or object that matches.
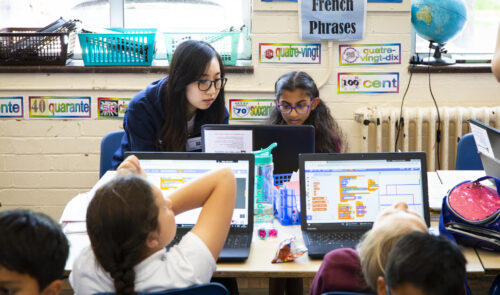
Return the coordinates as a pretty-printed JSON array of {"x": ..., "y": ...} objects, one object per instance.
[{"x": 44, "y": 163}]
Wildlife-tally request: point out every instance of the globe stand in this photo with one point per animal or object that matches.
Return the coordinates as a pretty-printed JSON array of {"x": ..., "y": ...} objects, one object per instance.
[{"x": 437, "y": 59}]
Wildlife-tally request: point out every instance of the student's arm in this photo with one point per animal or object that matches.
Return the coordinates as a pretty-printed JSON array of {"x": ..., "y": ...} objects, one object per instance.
[
  {"x": 495, "y": 62},
  {"x": 215, "y": 192}
]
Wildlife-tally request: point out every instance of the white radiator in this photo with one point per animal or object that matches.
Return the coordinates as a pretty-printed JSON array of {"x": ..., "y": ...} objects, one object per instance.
[{"x": 378, "y": 130}]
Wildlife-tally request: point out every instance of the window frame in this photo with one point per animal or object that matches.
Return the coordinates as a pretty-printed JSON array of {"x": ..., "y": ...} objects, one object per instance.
[{"x": 117, "y": 20}]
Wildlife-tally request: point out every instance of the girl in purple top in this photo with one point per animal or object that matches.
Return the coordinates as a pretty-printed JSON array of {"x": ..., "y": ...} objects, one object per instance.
[{"x": 298, "y": 103}]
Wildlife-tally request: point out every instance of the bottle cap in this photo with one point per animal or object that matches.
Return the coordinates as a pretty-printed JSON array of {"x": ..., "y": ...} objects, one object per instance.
[{"x": 264, "y": 156}]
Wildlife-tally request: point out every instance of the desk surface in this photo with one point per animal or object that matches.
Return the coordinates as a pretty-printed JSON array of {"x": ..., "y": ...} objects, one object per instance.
[{"x": 262, "y": 251}]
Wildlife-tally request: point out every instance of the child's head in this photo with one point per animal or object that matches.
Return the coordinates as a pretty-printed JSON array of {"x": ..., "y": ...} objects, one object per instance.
[
  {"x": 195, "y": 87},
  {"x": 33, "y": 253},
  {"x": 296, "y": 97},
  {"x": 298, "y": 103},
  {"x": 421, "y": 263},
  {"x": 127, "y": 220},
  {"x": 388, "y": 228}
]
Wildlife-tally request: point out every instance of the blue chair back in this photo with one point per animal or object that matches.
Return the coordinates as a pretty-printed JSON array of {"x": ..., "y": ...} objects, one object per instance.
[
  {"x": 109, "y": 144},
  {"x": 467, "y": 155},
  {"x": 202, "y": 289}
]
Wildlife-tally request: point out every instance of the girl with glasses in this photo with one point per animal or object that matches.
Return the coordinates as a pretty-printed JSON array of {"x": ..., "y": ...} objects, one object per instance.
[
  {"x": 298, "y": 103},
  {"x": 169, "y": 113}
]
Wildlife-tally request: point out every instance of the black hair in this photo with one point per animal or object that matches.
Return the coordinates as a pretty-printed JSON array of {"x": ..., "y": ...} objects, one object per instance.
[
  {"x": 430, "y": 263},
  {"x": 189, "y": 62},
  {"x": 119, "y": 218},
  {"x": 328, "y": 135},
  {"x": 34, "y": 244}
]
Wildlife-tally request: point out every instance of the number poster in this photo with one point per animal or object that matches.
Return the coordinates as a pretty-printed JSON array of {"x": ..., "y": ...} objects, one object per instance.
[
  {"x": 112, "y": 108},
  {"x": 11, "y": 107},
  {"x": 368, "y": 83},
  {"x": 250, "y": 109},
  {"x": 59, "y": 107}
]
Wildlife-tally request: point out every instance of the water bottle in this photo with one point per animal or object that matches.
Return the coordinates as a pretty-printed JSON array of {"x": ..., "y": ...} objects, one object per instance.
[{"x": 264, "y": 186}]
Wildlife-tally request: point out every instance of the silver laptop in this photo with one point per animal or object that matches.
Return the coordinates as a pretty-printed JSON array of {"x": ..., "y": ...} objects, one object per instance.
[
  {"x": 487, "y": 141},
  {"x": 342, "y": 194},
  {"x": 169, "y": 170}
]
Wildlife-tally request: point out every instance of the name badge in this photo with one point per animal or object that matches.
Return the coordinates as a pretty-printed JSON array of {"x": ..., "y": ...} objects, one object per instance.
[{"x": 193, "y": 144}]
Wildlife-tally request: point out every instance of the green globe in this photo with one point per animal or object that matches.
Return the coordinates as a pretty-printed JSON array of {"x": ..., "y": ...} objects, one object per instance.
[{"x": 438, "y": 20}]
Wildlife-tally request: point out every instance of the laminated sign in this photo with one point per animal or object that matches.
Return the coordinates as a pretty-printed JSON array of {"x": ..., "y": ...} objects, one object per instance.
[{"x": 332, "y": 19}]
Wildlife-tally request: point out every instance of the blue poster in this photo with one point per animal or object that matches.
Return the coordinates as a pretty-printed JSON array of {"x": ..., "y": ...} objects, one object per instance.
[{"x": 332, "y": 19}]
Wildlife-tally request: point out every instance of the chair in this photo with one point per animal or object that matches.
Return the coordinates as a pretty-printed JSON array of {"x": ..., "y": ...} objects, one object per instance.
[
  {"x": 202, "y": 289},
  {"x": 109, "y": 144},
  {"x": 467, "y": 155}
]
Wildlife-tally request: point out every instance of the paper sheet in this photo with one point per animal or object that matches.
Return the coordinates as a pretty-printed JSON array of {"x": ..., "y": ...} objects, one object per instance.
[
  {"x": 228, "y": 141},
  {"x": 482, "y": 141}
]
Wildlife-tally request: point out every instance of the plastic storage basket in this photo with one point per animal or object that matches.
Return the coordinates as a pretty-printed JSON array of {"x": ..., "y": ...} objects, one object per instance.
[
  {"x": 126, "y": 47},
  {"x": 226, "y": 43},
  {"x": 26, "y": 46},
  {"x": 279, "y": 179}
]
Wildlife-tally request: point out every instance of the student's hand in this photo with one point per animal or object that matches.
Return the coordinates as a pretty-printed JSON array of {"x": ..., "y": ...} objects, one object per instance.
[{"x": 130, "y": 165}]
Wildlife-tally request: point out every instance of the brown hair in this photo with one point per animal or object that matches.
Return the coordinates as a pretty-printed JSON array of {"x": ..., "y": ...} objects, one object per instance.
[{"x": 119, "y": 218}]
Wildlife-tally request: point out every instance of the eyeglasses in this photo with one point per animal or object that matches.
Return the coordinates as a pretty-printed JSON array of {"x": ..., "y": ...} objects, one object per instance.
[
  {"x": 204, "y": 85},
  {"x": 300, "y": 109}
]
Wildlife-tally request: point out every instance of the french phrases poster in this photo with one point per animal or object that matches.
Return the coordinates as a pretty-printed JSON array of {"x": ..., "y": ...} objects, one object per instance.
[{"x": 332, "y": 19}]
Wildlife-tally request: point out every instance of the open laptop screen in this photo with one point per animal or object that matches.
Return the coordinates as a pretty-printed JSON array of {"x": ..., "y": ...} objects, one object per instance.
[
  {"x": 168, "y": 171},
  {"x": 291, "y": 140},
  {"x": 349, "y": 190}
]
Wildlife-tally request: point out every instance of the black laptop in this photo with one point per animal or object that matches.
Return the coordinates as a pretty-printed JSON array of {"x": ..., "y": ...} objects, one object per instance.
[
  {"x": 169, "y": 170},
  {"x": 291, "y": 140},
  {"x": 342, "y": 194},
  {"x": 487, "y": 141}
]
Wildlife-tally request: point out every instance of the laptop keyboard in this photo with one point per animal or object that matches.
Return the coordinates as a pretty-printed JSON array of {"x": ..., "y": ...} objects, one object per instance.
[
  {"x": 336, "y": 239},
  {"x": 233, "y": 241},
  {"x": 237, "y": 241}
]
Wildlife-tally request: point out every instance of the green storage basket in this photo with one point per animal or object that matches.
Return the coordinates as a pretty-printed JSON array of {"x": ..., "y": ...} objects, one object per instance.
[
  {"x": 225, "y": 43},
  {"x": 127, "y": 47}
]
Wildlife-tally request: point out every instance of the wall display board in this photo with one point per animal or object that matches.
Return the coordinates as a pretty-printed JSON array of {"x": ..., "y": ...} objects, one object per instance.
[
  {"x": 250, "y": 109},
  {"x": 369, "y": 54},
  {"x": 368, "y": 82},
  {"x": 111, "y": 108},
  {"x": 289, "y": 53},
  {"x": 59, "y": 107},
  {"x": 11, "y": 107},
  {"x": 332, "y": 19}
]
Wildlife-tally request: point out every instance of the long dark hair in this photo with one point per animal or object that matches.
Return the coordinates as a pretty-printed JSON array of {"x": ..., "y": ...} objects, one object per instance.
[
  {"x": 189, "y": 63},
  {"x": 119, "y": 218},
  {"x": 328, "y": 135}
]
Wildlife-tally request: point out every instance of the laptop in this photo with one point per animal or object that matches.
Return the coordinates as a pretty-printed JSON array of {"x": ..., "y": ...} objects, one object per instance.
[
  {"x": 342, "y": 194},
  {"x": 292, "y": 140},
  {"x": 168, "y": 170},
  {"x": 487, "y": 141}
]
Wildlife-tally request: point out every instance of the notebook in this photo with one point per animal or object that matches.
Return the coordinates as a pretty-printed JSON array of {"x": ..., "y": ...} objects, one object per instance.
[
  {"x": 487, "y": 141},
  {"x": 169, "y": 170},
  {"x": 342, "y": 194},
  {"x": 292, "y": 140}
]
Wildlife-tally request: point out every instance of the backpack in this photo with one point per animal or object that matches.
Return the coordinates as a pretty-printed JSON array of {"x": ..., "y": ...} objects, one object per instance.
[{"x": 470, "y": 214}]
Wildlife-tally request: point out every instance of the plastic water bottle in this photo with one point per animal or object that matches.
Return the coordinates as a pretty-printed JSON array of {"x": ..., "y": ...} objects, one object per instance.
[{"x": 264, "y": 186}]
